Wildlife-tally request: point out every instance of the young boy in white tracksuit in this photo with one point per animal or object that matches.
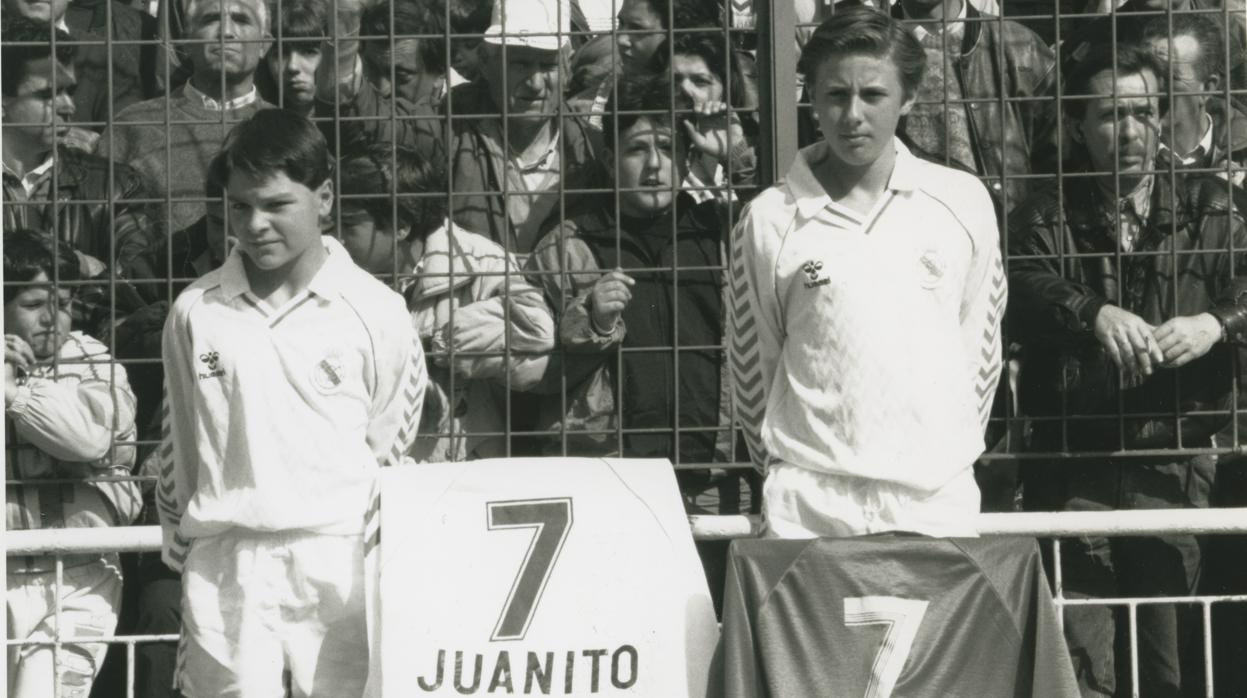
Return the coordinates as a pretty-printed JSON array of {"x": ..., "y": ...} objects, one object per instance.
[
  {"x": 292, "y": 375},
  {"x": 867, "y": 293},
  {"x": 69, "y": 413}
]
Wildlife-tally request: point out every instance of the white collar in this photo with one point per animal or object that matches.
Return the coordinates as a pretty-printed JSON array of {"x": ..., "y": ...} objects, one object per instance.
[
  {"x": 324, "y": 283},
  {"x": 1205, "y": 143},
  {"x": 213, "y": 105},
  {"x": 31, "y": 178},
  {"x": 810, "y": 195},
  {"x": 1200, "y": 150},
  {"x": 954, "y": 27}
]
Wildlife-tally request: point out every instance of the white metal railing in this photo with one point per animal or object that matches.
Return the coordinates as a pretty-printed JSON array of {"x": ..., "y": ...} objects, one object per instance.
[
  {"x": 1138, "y": 522},
  {"x": 1054, "y": 525}
]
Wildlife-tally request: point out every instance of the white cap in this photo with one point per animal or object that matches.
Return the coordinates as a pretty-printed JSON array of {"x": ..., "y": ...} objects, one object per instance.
[{"x": 542, "y": 24}]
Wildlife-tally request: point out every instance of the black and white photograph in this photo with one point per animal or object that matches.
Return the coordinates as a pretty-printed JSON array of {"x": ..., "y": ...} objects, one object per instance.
[{"x": 625, "y": 348}]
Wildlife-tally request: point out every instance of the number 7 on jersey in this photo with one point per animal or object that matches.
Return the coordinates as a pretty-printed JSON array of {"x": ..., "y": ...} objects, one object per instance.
[
  {"x": 552, "y": 519},
  {"x": 902, "y": 617}
]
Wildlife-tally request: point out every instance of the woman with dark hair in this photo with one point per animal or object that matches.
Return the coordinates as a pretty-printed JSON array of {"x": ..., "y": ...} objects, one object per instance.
[
  {"x": 866, "y": 296},
  {"x": 721, "y": 131}
]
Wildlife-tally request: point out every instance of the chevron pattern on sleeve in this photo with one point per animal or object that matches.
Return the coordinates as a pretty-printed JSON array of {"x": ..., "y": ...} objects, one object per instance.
[
  {"x": 745, "y": 351},
  {"x": 990, "y": 352},
  {"x": 166, "y": 486},
  {"x": 413, "y": 400},
  {"x": 168, "y": 503}
]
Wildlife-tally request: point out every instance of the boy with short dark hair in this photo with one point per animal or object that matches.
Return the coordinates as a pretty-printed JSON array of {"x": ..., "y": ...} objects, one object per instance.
[{"x": 292, "y": 375}]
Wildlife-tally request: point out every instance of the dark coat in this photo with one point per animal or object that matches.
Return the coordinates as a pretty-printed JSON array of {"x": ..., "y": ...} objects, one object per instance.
[
  {"x": 667, "y": 309},
  {"x": 1005, "y": 60},
  {"x": 133, "y": 67},
  {"x": 90, "y": 212},
  {"x": 1054, "y": 300}
]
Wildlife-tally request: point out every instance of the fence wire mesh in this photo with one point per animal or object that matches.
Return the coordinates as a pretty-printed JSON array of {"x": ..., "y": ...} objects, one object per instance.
[{"x": 475, "y": 166}]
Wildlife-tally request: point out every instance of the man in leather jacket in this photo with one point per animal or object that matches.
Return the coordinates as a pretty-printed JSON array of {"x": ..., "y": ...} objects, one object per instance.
[
  {"x": 1130, "y": 299},
  {"x": 996, "y": 75}
]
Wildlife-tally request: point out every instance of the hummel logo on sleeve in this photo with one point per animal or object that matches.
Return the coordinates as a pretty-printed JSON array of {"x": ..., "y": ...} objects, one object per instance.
[
  {"x": 212, "y": 361},
  {"x": 812, "y": 269}
]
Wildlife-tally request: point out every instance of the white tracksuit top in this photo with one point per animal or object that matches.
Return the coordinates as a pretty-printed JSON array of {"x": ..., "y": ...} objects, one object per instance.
[
  {"x": 277, "y": 420},
  {"x": 868, "y": 346}
]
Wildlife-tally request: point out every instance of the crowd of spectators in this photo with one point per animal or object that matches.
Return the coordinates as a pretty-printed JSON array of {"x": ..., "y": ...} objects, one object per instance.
[{"x": 555, "y": 200}]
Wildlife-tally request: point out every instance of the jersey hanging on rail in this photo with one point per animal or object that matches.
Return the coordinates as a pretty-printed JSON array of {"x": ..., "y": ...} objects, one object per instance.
[
  {"x": 542, "y": 576},
  {"x": 883, "y": 616}
]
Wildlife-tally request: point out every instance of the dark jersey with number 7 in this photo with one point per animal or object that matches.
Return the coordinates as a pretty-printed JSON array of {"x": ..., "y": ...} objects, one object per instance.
[{"x": 891, "y": 616}]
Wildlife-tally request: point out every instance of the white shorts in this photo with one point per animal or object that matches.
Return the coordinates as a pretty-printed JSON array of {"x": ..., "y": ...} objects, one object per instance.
[
  {"x": 802, "y": 503},
  {"x": 90, "y": 596},
  {"x": 265, "y": 611}
]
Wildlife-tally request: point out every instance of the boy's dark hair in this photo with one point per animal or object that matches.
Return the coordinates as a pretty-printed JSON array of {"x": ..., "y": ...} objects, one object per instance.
[
  {"x": 706, "y": 46},
  {"x": 271, "y": 141},
  {"x": 384, "y": 177},
  {"x": 214, "y": 188},
  {"x": 37, "y": 42},
  {"x": 647, "y": 92},
  {"x": 1199, "y": 27},
  {"x": 29, "y": 253},
  {"x": 865, "y": 31},
  {"x": 303, "y": 23},
  {"x": 1126, "y": 58},
  {"x": 410, "y": 17},
  {"x": 687, "y": 14},
  {"x": 467, "y": 16}
]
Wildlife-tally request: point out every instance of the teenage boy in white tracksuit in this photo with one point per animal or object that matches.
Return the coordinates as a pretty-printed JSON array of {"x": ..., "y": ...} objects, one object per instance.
[
  {"x": 292, "y": 375},
  {"x": 867, "y": 293}
]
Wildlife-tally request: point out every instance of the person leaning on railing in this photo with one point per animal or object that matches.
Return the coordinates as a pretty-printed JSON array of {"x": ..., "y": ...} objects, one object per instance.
[
  {"x": 1133, "y": 344},
  {"x": 67, "y": 408}
]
